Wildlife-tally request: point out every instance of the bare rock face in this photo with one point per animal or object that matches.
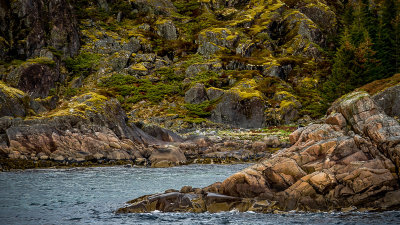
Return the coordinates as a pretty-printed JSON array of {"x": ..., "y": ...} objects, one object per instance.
[
  {"x": 161, "y": 133},
  {"x": 196, "y": 94},
  {"x": 389, "y": 100},
  {"x": 35, "y": 78},
  {"x": 167, "y": 156},
  {"x": 351, "y": 160},
  {"x": 31, "y": 25}
]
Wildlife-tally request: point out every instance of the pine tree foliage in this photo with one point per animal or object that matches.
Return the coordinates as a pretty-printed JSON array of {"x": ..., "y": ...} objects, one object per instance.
[{"x": 369, "y": 48}]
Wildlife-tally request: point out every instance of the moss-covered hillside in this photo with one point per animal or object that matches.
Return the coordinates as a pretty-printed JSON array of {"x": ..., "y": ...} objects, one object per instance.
[{"x": 178, "y": 63}]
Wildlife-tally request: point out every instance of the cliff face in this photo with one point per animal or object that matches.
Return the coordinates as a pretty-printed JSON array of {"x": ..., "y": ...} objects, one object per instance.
[
  {"x": 253, "y": 57},
  {"x": 29, "y": 27},
  {"x": 351, "y": 160}
]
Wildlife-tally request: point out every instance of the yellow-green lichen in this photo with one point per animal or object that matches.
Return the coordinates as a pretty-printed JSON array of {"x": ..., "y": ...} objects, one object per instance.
[
  {"x": 42, "y": 60},
  {"x": 286, "y": 104},
  {"x": 138, "y": 67},
  {"x": 80, "y": 105},
  {"x": 246, "y": 89},
  {"x": 11, "y": 92}
]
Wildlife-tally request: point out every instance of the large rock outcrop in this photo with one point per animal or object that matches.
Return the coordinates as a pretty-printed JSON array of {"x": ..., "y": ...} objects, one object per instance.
[
  {"x": 16, "y": 103},
  {"x": 351, "y": 160},
  {"x": 35, "y": 77},
  {"x": 88, "y": 127}
]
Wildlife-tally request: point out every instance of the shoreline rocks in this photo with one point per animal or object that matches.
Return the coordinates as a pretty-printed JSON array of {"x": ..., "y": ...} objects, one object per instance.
[
  {"x": 92, "y": 128},
  {"x": 351, "y": 160}
]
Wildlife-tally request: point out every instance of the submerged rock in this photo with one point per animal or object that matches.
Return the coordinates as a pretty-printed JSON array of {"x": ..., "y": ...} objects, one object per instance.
[{"x": 351, "y": 160}]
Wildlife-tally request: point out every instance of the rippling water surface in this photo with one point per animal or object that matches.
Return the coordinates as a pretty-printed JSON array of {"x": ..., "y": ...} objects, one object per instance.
[{"x": 90, "y": 195}]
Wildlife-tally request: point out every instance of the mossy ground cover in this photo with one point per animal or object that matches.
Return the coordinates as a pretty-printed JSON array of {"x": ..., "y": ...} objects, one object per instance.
[
  {"x": 80, "y": 106},
  {"x": 380, "y": 85}
]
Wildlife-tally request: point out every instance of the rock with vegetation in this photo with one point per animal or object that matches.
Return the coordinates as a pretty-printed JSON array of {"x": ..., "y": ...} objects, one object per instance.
[
  {"x": 12, "y": 101},
  {"x": 167, "y": 29},
  {"x": 16, "y": 103},
  {"x": 36, "y": 76},
  {"x": 89, "y": 126},
  {"x": 241, "y": 106},
  {"x": 350, "y": 161},
  {"x": 213, "y": 40}
]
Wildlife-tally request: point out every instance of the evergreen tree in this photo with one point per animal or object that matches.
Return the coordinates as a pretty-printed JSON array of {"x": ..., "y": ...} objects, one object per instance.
[
  {"x": 355, "y": 62},
  {"x": 342, "y": 70},
  {"x": 388, "y": 38},
  {"x": 366, "y": 67},
  {"x": 369, "y": 17}
]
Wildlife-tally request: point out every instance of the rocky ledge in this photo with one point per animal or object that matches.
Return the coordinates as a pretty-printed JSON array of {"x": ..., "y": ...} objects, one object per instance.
[
  {"x": 89, "y": 127},
  {"x": 92, "y": 129},
  {"x": 351, "y": 161}
]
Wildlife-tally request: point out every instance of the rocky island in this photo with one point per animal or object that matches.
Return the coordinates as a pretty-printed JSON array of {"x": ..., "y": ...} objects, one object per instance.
[{"x": 308, "y": 90}]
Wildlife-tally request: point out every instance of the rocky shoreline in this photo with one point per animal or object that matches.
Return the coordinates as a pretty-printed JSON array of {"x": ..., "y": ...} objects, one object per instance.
[
  {"x": 92, "y": 129},
  {"x": 351, "y": 161}
]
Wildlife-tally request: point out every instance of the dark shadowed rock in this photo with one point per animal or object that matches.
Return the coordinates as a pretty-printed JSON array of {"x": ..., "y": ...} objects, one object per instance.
[
  {"x": 35, "y": 78},
  {"x": 161, "y": 133},
  {"x": 389, "y": 100},
  {"x": 196, "y": 94},
  {"x": 241, "y": 106},
  {"x": 32, "y": 25}
]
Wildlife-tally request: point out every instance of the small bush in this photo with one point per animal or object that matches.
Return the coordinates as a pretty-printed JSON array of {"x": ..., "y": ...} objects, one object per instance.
[
  {"x": 82, "y": 64},
  {"x": 202, "y": 109}
]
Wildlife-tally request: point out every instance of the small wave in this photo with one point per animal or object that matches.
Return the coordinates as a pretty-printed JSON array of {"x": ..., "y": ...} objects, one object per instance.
[{"x": 75, "y": 219}]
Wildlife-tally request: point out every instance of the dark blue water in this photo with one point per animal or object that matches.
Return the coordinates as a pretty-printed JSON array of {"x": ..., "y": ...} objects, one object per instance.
[{"x": 90, "y": 195}]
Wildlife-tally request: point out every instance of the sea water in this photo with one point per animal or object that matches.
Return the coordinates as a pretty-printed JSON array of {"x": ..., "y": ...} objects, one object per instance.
[{"x": 91, "y": 195}]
